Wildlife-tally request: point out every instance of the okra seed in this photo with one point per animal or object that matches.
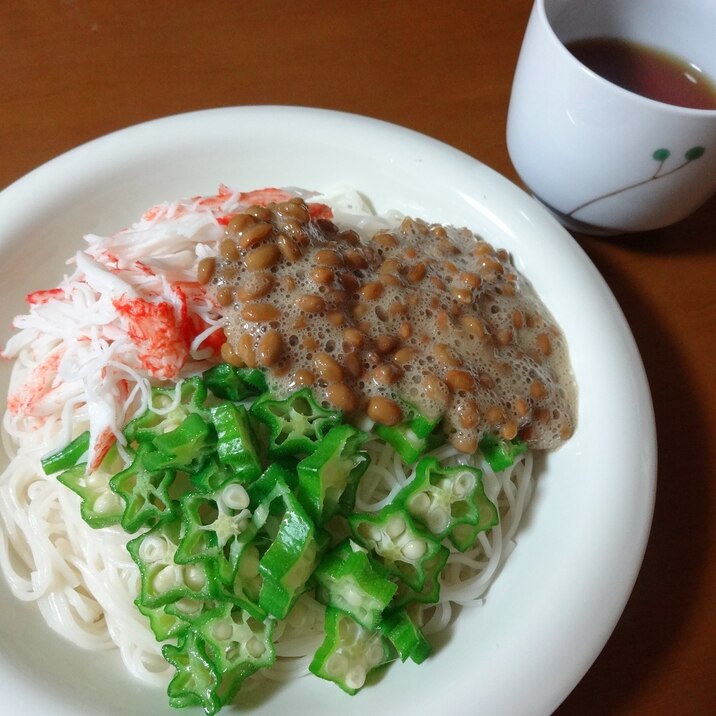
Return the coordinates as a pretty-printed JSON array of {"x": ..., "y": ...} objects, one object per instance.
[
  {"x": 222, "y": 631},
  {"x": 194, "y": 577},
  {"x": 235, "y": 497},
  {"x": 438, "y": 521},
  {"x": 395, "y": 527},
  {"x": 243, "y": 522},
  {"x": 464, "y": 482},
  {"x": 355, "y": 677},
  {"x": 375, "y": 654},
  {"x": 336, "y": 665},
  {"x": 249, "y": 564},
  {"x": 153, "y": 549},
  {"x": 255, "y": 647},
  {"x": 188, "y": 605},
  {"x": 107, "y": 502},
  {"x": 167, "y": 578},
  {"x": 445, "y": 484},
  {"x": 347, "y": 630},
  {"x": 352, "y": 596},
  {"x": 414, "y": 549},
  {"x": 419, "y": 503},
  {"x": 97, "y": 480},
  {"x": 371, "y": 532}
]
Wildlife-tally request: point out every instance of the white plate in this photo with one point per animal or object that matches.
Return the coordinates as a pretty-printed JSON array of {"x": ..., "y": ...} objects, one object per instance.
[{"x": 564, "y": 587}]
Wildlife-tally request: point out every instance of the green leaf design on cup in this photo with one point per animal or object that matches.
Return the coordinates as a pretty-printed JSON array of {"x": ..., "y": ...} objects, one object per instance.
[
  {"x": 694, "y": 153},
  {"x": 660, "y": 155}
]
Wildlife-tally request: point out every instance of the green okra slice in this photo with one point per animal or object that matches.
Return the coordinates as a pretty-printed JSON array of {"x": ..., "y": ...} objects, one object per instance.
[
  {"x": 186, "y": 448},
  {"x": 162, "y": 579},
  {"x": 145, "y": 492},
  {"x": 163, "y": 624},
  {"x": 221, "y": 528},
  {"x": 187, "y": 609},
  {"x": 211, "y": 521},
  {"x": 288, "y": 563},
  {"x": 398, "y": 543},
  {"x": 234, "y": 384},
  {"x": 238, "y": 643},
  {"x": 336, "y": 464},
  {"x": 197, "y": 678},
  {"x": 243, "y": 584},
  {"x": 295, "y": 425},
  {"x": 211, "y": 475},
  {"x": 350, "y": 581},
  {"x": 268, "y": 491},
  {"x": 100, "y": 506},
  {"x": 406, "y": 636},
  {"x": 236, "y": 447},
  {"x": 464, "y": 536},
  {"x": 411, "y": 437},
  {"x": 500, "y": 453},
  {"x": 349, "y": 652},
  {"x": 443, "y": 498},
  {"x": 430, "y": 593}
]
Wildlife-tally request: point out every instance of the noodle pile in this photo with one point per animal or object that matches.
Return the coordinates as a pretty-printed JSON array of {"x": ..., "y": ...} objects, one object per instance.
[{"x": 85, "y": 374}]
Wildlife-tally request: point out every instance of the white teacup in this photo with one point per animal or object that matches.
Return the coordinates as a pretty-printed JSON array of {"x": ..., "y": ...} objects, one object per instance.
[{"x": 606, "y": 160}]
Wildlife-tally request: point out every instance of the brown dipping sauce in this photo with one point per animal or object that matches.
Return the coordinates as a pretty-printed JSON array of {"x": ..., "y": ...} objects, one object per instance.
[{"x": 424, "y": 314}]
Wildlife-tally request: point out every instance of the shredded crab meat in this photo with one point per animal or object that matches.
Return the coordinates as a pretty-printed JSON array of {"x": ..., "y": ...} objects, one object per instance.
[{"x": 129, "y": 315}]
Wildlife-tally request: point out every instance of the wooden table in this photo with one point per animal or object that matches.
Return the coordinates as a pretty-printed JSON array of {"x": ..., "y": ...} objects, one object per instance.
[{"x": 72, "y": 70}]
